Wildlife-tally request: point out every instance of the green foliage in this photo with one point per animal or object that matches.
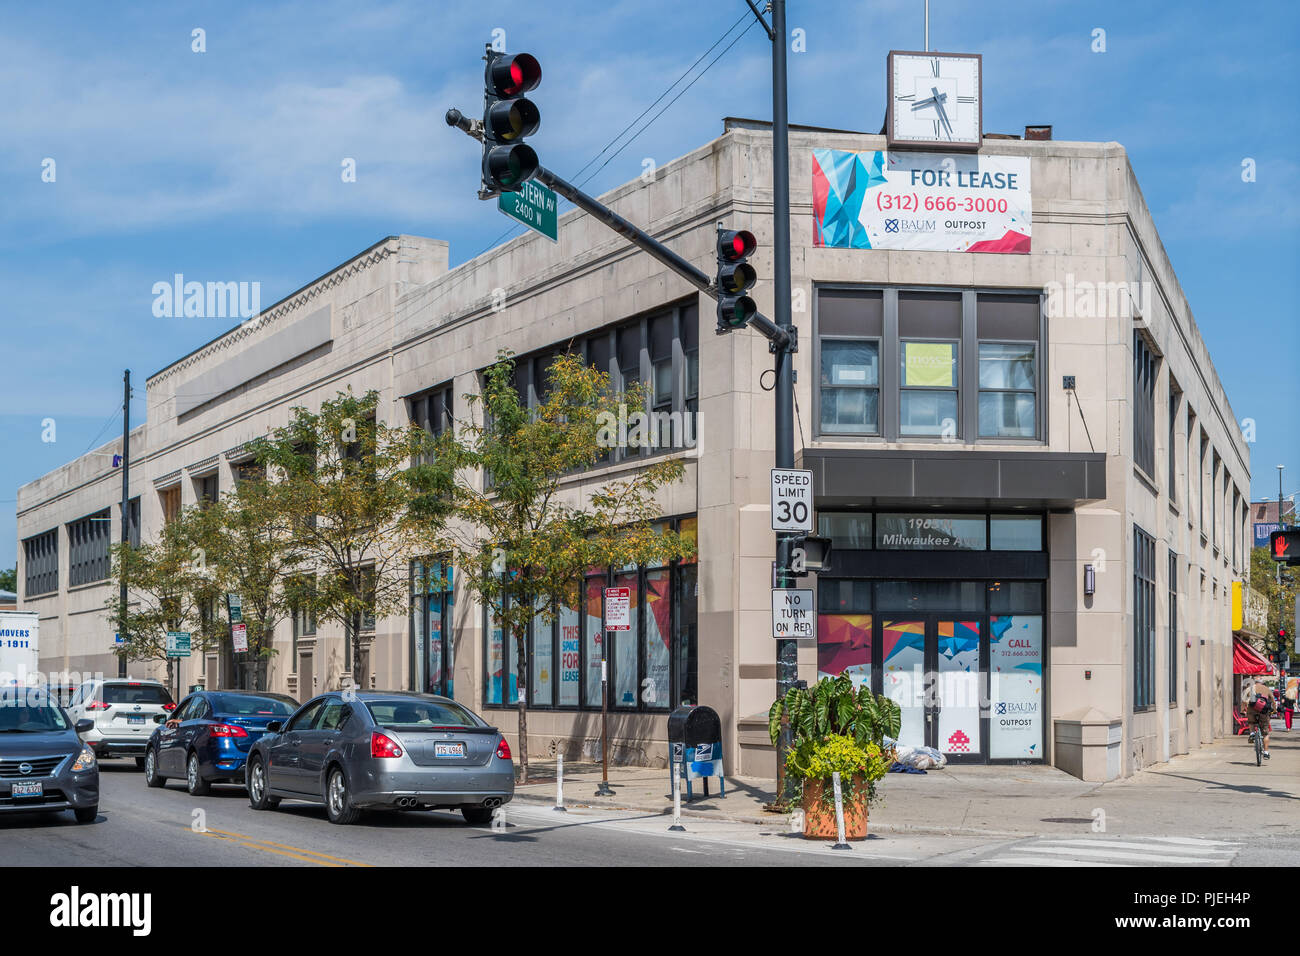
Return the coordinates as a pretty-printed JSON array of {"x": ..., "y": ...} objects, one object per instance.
[
  {"x": 1281, "y": 598},
  {"x": 9, "y": 580},
  {"x": 169, "y": 585},
  {"x": 859, "y": 767},
  {"x": 351, "y": 500},
  {"x": 519, "y": 536},
  {"x": 833, "y": 706}
]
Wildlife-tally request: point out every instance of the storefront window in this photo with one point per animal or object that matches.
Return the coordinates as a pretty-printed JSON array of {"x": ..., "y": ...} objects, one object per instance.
[
  {"x": 595, "y": 639},
  {"x": 1016, "y": 532},
  {"x": 541, "y": 664},
  {"x": 495, "y": 657},
  {"x": 930, "y": 532},
  {"x": 656, "y": 688},
  {"x": 623, "y": 692},
  {"x": 846, "y": 529},
  {"x": 570, "y": 656},
  {"x": 1016, "y": 686}
]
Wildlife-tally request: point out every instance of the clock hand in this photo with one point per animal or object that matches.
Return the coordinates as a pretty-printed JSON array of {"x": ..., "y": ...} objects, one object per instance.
[
  {"x": 923, "y": 104},
  {"x": 943, "y": 114}
]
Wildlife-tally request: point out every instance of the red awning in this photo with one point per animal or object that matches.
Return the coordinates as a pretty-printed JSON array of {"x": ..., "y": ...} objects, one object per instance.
[{"x": 1246, "y": 660}]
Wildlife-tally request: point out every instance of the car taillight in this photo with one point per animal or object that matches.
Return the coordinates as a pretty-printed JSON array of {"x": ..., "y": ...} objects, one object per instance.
[
  {"x": 169, "y": 706},
  {"x": 98, "y": 705},
  {"x": 503, "y": 749},
  {"x": 227, "y": 730},
  {"x": 382, "y": 745}
]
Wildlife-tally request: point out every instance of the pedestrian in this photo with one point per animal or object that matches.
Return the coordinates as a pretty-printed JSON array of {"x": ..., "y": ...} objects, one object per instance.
[{"x": 1289, "y": 700}]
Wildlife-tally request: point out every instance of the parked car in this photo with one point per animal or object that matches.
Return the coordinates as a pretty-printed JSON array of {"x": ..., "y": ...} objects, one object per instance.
[
  {"x": 44, "y": 764},
  {"x": 390, "y": 750},
  {"x": 61, "y": 694},
  {"x": 122, "y": 711},
  {"x": 207, "y": 738}
]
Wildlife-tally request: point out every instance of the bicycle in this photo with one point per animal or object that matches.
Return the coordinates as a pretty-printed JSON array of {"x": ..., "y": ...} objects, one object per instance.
[{"x": 1258, "y": 740}]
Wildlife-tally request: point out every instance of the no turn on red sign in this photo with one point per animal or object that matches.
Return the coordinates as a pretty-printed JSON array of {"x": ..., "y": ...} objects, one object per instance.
[
  {"x": 792, "y": 500},
  {"x": 792, "y": 613}
]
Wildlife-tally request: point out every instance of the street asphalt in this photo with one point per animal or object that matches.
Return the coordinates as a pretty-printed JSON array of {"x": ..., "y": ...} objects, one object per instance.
[{"x": 1212, "y": 808}]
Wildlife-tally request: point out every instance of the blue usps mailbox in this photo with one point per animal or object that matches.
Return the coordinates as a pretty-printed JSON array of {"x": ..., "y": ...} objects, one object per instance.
[{"x": 695, "y": 745}]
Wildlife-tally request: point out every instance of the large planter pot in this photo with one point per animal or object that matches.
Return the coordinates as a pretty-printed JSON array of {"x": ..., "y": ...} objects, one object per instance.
[{"x": 819, "y": 812}]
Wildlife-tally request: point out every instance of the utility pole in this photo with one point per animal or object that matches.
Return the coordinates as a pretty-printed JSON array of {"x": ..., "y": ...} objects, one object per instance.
[
  {"x": 1281, "y": 597},
  {"x": 126, "y": 484}
]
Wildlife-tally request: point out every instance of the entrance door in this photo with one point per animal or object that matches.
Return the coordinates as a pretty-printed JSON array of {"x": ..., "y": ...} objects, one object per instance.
[{"x": 931, "y": 667}]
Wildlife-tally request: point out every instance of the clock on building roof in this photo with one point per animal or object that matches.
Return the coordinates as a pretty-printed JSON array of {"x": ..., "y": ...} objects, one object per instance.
[{"x": 935, "y": 100}]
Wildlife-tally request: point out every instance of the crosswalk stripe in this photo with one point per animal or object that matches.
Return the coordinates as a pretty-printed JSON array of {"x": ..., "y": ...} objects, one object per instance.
[
  {"x": 1121, "y": 855},
  {"x": 1044, "y": 861},
  {"x": 1123, "y": 845},
  {"x": 1193, "y": 841}
]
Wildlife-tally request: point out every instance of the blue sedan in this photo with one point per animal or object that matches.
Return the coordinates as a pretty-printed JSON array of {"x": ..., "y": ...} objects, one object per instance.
[{"x": 207, "y": 738}]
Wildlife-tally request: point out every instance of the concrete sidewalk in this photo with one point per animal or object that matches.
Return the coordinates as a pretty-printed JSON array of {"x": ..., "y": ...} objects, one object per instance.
[{"x": 1217, "y": 789}]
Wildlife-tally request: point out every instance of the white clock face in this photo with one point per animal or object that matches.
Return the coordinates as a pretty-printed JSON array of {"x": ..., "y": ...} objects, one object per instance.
[{"x": 936, "y": 99}]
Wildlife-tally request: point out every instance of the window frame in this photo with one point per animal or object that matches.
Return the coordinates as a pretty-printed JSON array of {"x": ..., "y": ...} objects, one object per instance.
[
  {"x": 890, "y": 388},
  {"x": 42, "y": 551},
  {"x": 878, "y": 388},
  {"x": 1144, "y": 620},
  {"x": 90, "y": 541},
  {"x": 1035, "y": 391}
]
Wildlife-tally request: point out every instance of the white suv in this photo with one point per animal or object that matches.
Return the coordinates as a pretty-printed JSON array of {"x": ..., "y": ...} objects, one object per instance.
[{"x": 123, "y": 710}]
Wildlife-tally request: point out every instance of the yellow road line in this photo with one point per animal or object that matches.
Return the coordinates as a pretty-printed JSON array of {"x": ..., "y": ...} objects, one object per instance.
[{"x": 284, "y": 849}]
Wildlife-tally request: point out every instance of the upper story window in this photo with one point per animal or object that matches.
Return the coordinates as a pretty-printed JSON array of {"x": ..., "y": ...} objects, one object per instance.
[
  {"x": 1172, "y": 441},
  {"x": 206, "y": 489},
  {"x": 1144, "y": 405},
  {"x": 432, "y": 410},
  {"x": 660, "y": 352},
  {"x": 41, "y": 563},
  {"x": 88, "y": 549},
  {"x": 170, "y": 500},
  {"x": 929, "y": 363}
]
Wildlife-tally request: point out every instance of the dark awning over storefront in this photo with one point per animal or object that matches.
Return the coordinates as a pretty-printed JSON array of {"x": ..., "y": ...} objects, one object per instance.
[{"x": 867, "y": 477}]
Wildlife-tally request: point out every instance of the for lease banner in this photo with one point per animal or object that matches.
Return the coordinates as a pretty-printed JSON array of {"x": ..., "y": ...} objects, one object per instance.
[{"x": 941, "y": 202}]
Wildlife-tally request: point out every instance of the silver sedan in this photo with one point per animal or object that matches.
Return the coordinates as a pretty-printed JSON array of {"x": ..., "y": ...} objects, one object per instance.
[{"x": 389, "y": 750}]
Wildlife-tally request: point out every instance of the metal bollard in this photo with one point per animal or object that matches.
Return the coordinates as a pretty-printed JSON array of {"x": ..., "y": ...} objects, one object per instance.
[
  {"x": 559, "y": 783},
  {"x": 842, "y": 843},
  {"x": 677, "y": 798}
]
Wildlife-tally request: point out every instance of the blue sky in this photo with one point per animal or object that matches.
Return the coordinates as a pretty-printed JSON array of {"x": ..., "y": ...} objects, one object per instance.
[{"x": 224, "y": 165}]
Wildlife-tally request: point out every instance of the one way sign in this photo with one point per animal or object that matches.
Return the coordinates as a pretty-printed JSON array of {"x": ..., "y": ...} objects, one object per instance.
[{"x": 792, "y": 613}]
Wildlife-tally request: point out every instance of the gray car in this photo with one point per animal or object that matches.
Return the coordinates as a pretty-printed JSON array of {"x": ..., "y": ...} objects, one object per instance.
[
  {"x": 44, "y": 764},
  {"x": 387, "y": 750}
]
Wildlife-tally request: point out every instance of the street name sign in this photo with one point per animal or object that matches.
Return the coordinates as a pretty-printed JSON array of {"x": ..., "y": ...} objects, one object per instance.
[
  {"x": 792, "y": 504},
  {"x": 618, "y": 609},
  {"x": 535, "y": 206},
  {"x": 792, "y": 613}
]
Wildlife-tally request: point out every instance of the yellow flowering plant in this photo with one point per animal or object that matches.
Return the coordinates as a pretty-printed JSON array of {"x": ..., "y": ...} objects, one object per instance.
[{"x": 859, "y": 767}]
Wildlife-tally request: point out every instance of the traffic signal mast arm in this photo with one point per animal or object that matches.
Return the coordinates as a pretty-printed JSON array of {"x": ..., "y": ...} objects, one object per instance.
[{"x": 780, "y": 339}]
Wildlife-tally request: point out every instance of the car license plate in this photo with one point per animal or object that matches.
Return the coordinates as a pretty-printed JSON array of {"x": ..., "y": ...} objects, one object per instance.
[
  {"x": 135, "y": 720},
  {"x": 449, "y": 750},
  {"x": 28, "y": 789}
]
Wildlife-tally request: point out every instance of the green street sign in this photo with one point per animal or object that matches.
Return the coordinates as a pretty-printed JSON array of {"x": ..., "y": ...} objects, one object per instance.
[
  {"x": 535, "y": 206},
  {"x": 178, "y": 644},
  {"x": 235, "y": 607}
]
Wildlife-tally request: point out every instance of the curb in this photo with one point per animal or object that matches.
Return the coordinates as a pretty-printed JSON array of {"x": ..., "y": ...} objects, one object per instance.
[{"x": 720, "y": 816}]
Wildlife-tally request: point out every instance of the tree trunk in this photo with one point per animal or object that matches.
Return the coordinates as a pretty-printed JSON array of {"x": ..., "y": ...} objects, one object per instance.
[
  {"x": 521, "y": 658},
  {"x": 170, "y": 679}
]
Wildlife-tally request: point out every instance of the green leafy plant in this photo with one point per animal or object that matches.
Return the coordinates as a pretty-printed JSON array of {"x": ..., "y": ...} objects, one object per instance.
[
  {"x": 833, "y": 706},
  {"x": 859, "y": 767}
]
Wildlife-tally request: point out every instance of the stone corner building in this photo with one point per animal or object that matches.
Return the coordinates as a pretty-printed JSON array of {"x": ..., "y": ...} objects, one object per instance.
[{"x": 972, "y": 497}]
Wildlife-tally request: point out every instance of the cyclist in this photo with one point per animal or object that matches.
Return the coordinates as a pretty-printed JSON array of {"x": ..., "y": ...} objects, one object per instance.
[{"x": 1257, "y": 707}]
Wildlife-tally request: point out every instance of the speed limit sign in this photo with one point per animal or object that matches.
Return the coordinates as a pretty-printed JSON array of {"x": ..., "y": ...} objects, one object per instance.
[{"x": 792, "y": 500}]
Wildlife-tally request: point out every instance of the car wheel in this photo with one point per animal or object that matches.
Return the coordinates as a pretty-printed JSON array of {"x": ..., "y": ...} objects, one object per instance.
[
  {"x": 476, "y": 816},
  {"x": 338, "y": 802},
  {"x": 139, "y": 763},
  {"x": 194, "y": 781},
  {"x": 86, "y": 814},
  {"x": 151, "y": 776},
  {"x": 258, "y": 798}
]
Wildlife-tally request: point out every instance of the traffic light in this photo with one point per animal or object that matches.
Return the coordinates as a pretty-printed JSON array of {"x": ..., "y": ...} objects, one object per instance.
[
  {"x": 735, "y": 277},
  {"x": 1285, "y": 546},
  {"x": 810, "y": 553},
  {"x": 509, "y": 116}
]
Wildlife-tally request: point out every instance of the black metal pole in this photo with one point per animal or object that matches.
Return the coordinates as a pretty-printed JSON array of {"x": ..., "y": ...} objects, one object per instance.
[
  {"x": 787, "y": 651},
  {"x": 126, "y": 485}
]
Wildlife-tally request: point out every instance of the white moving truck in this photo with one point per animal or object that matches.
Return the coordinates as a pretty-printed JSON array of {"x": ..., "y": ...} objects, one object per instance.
[{"x": 19, "y": 647}]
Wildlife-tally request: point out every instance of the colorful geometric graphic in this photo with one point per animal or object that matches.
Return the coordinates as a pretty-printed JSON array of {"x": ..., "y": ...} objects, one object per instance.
[
  {"x": 840, "y": 184},
  {"x": 844, "y": 646},
  {"x": 958, "y": 742}
]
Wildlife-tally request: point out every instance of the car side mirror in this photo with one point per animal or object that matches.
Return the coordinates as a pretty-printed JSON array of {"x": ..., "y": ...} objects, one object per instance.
[
  {"x": 83, "y": 725},
  {"x": 274, "y": 727},
  {"x": 159, "y": 718}
]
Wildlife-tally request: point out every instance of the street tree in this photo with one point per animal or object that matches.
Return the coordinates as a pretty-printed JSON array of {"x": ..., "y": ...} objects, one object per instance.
[
  {"x": 1280, "y": 597},
  {"x": 170, "y": 588},
  {"x": 247, "y": 539},
  {"x": 9, "y": 580},
  {"x": 519, "y": 539},
  {"x": 346, "y": 493}
]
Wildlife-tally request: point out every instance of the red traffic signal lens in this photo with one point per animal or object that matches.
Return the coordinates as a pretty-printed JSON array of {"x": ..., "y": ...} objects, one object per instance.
[
  {"x": 736, "y": 245},
  {"x": 509, "y": 120},
  {"x": 512, "y": 75}
]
